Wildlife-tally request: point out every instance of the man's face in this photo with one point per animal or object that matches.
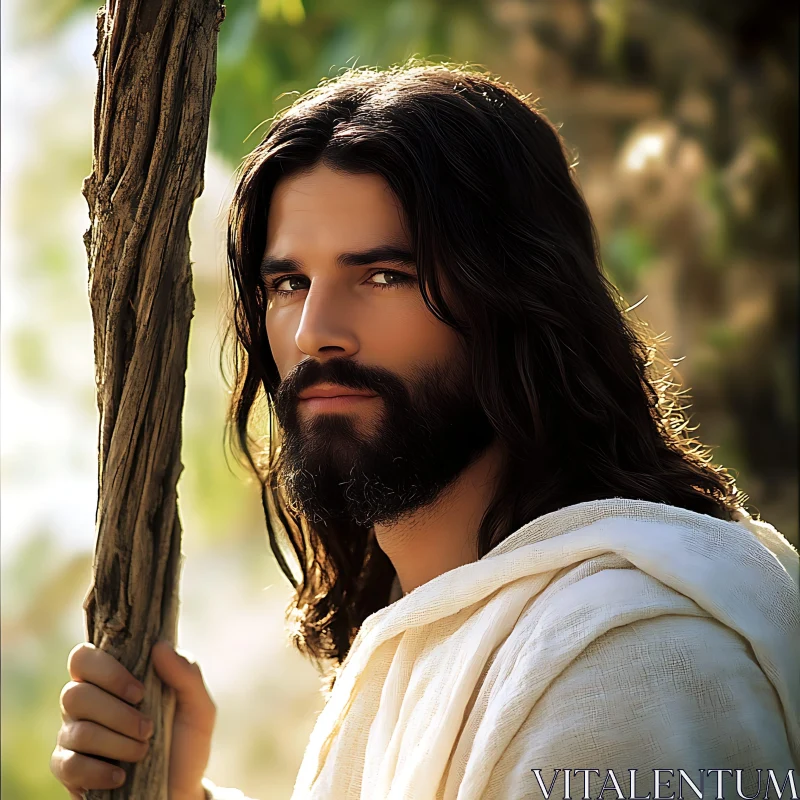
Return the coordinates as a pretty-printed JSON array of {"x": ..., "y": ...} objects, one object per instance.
[{"x": 335, "y": 242}]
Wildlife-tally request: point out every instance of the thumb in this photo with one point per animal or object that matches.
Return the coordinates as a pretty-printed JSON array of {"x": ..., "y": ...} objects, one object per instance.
[{"x": 193, "y": 702}]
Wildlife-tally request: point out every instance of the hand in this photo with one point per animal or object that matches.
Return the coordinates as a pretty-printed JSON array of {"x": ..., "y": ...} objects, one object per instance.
[{"x": 99, "y": 718}]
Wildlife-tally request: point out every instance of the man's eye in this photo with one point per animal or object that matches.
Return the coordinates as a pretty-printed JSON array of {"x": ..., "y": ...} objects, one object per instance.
[
  {"x": 275, "y": 286},
  {"x": 388, "y": 279},
  {"x": 394, "y": 279}
]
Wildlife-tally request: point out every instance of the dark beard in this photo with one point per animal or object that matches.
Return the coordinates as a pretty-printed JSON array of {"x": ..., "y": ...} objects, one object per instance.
[{"x": 336, "y": 468}]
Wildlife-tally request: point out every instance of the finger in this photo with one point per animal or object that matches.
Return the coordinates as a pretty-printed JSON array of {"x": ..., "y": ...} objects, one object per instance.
[
  {"x": 85, "y": 701},
  {"x": 79, "y": 772},
  {"x": 90, "y": 738},
  {"x": 193, "y": 701},
  {"x": 90, "y": 664}
]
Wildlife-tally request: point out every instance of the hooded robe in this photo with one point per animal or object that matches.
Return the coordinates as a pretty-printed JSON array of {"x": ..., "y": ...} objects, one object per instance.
[{"x": 611, "y": 635}]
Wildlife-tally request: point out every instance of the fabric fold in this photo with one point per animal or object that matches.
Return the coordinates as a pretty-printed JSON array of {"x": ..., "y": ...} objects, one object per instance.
[{"x": 440, "y": 683}]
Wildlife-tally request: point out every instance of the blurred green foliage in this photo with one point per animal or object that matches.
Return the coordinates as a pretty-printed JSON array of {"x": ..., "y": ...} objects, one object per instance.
[
  {"x": 270, "y": 50},
  {"x": 628, "y": 251},
  {"x": 42, "y": 593}
]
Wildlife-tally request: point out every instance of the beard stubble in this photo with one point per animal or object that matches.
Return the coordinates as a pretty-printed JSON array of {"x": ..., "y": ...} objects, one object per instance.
[{"x": 341, "y": 467}]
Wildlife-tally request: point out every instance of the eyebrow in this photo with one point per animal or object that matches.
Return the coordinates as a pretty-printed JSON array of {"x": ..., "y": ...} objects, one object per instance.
[{"x": 383, "y": 254}]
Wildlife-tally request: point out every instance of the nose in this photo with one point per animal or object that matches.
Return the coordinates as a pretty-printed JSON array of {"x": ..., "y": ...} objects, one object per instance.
[{"x": 326, "y": 324}]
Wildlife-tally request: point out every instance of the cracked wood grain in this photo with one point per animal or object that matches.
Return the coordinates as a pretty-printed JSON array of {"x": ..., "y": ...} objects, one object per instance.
[{"x": 156, "y": 62}]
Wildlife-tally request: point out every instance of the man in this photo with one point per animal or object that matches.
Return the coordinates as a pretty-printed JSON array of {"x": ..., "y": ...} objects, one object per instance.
[
  {"x": 523, "y": 575},
  {"x": 416, "y": 438}
]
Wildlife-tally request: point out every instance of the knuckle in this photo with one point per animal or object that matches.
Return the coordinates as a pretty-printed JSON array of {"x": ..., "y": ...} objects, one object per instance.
[
  {"x": 68, "y": 696},
  {"x": 70, "y": 767},
  {"x": 81, "y": 734},
  {"x": 62, "y": 740},
  {"x": 55, "y": 762},
  {"x": 77, "y": 657}
]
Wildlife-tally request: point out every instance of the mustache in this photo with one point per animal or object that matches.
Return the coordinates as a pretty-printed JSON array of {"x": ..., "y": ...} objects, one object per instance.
[{"x": 341, "y": 371}]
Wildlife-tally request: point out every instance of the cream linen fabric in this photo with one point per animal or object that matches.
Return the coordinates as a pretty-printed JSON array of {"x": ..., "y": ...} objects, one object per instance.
[{"x": 609, "y": 635}]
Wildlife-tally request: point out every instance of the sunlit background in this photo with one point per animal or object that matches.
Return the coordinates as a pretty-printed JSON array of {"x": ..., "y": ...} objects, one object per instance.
[{"x": 682, "y": 116}]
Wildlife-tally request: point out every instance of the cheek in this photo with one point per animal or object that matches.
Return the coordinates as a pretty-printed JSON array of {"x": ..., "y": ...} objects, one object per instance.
[
  {"x": 412, "y": 334},
  {"x": 281, "y": 338}
]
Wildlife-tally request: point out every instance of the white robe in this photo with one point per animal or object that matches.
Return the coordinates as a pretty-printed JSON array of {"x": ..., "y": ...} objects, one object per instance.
[{"x": 610, "y": 635}]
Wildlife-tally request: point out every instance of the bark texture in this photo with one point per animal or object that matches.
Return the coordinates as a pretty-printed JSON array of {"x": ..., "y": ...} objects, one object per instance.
[{"x": 156, "y": 62}]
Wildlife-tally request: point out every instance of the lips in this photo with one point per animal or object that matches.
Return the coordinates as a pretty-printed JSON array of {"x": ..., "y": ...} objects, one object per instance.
[{"x": 332, "y": 390}]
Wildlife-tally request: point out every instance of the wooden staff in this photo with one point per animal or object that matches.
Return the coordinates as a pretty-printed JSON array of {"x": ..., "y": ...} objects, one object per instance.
[{"x": 156, "y": 62}]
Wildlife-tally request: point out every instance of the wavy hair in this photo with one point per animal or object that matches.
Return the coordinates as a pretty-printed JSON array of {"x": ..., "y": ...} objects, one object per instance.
[{"x": 575, "y": 388}]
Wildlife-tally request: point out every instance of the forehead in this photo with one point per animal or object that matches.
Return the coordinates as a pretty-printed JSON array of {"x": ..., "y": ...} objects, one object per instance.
[{"x": 327, "y": 209}]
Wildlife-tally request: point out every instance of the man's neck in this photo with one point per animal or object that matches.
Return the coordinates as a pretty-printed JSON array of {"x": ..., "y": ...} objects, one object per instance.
[{"x": 442, "y": 537}]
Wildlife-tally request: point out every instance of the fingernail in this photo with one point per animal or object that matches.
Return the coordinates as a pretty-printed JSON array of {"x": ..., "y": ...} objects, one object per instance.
[
  {"x": 118, "y": 776},
  {"x": 134, "y": 693},
  {"x": 146, "y": 728}
]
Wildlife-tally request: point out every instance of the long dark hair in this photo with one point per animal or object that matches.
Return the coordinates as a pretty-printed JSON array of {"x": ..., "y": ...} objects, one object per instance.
[{"x": 576, "y": 389}]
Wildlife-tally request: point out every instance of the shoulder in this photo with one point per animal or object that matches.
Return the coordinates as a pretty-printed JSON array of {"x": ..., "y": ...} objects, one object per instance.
[
  {"x": 609, "y": 667},
  {"x": 672, "y": 690}
]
